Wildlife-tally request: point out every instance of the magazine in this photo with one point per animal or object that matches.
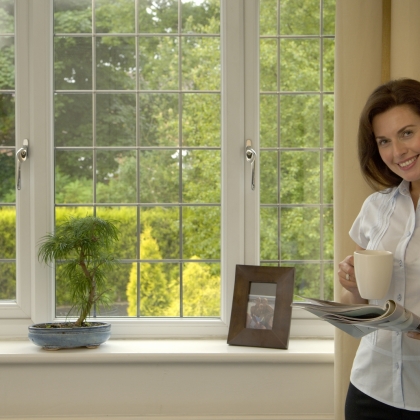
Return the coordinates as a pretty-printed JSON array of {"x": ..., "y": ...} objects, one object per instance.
[{"x": 361, "y": 319}]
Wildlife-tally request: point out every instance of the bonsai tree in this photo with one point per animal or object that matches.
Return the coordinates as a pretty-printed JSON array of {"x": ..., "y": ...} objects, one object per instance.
[{"x": 83, "y": 246}]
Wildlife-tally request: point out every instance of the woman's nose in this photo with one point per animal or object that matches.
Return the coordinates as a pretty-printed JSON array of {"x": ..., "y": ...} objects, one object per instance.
[{"x": 400, "y": 148}]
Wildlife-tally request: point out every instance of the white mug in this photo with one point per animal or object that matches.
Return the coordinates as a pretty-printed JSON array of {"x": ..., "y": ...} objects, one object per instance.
[{"x": 373, "y": 270}]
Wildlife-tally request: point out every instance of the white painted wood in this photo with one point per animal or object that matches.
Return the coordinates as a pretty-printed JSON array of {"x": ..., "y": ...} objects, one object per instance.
[{"x": 159, "y": 379}]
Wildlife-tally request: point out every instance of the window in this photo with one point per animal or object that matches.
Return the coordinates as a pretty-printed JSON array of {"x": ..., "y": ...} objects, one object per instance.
[
  {"x": 7, "y": 153},
  {"x": 296, "y": 140},
  {"x": 137, "y": 111}
]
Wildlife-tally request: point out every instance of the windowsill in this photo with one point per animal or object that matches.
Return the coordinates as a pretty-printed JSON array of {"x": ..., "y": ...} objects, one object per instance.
[{"x": 170, "y": 351}]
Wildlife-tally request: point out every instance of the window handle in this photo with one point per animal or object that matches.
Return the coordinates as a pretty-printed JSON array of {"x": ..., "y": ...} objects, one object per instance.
[
  {"x": 21, "y": 155},
  {"x": 250, "y": 155}
]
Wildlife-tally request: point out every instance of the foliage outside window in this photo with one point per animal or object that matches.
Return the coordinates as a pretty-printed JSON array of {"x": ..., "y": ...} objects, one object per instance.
[
  {"x": 137, "y": 138},
  {"x": 296, "y": 140}
]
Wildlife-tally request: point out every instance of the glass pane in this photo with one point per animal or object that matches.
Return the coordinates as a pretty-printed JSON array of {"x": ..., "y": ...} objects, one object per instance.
[
  {"x": 63, "y": 213},
  {"x": 329, "y": 17},
  {"x": 164, "y": 226},
  {"x": 328, "y": 234},
  {"x": 299, "y": 120},
  {"x": 158, "y": 63},
  {"x": 159, "y": 176},
  {"x": 268, "y": 17},
  {"x": 201, "y": 232},
  {"x": 115, "y": 63},
  {"x": 268, "y": 121},
  {"x": 7, "y": 233},
  {"x": 159, "y": 119},
  {"x": 200, "y": 63},
  {"x": 7, "y": 120},
  {"x": 7, "y": 16},
  {"x": 72, "y": 16},
  {"x": 73, "y": 177},
  {"x": 201, "y": 180},
  {"x": 7, "y": 176},
  {"x": 307, "y": 279},
  {"x": 298, "y": 243},
  {"x": 269, "y": 233},
  {"x": 116, "y": 176},
  {"x": 115, "y": 16},
  {"x": 69, "y": 108},
  {"x": 328, "y": 65},
  {"x": 268, "y": 65},
  {"x": 123, "y": 157},
  {"x": 201, "y": 289},
  {"x": 125, "y": 219},
  {"x": 269, "y": 177},
  {"x": 72, "y": 63},
  {"x": 328, "y": 280},
  {"x": 200, "y": 16},
  {"x": 7, "y": 62},
  {"x": 118, "y": 281},
  {"x": 328, "y": 177},
  {"x": 299, "y": 65},
  {"x": 116, "y": 120},
  {"x": 159, "y": 285},
  {"x": 7, "y": 281},
  {"x": 299, "y": 17},
  {"x": 300, "y": 180},
  {"x": 158, "y": 17},
  {"x": 328, "y": 120},
  {"x": 201, "y": 120}
]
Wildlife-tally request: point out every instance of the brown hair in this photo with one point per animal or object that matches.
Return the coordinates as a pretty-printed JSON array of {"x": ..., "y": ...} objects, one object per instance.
[{"x": 387, "y": 96}]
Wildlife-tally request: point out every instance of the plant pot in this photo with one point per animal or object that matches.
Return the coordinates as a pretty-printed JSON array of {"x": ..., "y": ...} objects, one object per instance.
[{"x": 54, "y": 336}]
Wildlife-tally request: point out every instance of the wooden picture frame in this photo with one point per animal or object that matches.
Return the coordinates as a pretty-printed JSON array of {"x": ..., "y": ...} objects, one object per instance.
[{"x": 258, "y": 320}]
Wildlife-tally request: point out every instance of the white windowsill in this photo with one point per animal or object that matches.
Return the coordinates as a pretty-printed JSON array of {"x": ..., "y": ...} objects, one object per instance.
[{"x": 170, "y": 351}]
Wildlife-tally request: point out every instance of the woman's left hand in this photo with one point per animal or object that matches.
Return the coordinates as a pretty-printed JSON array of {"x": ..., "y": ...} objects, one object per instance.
[{"x": 413, "y": 334}]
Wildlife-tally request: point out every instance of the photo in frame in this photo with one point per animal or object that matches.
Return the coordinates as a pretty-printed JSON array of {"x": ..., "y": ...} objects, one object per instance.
[{"x": 261, "y": 306}]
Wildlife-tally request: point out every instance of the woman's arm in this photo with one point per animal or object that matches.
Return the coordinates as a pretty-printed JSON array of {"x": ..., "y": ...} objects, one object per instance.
[{"x": 347, "y": 279}]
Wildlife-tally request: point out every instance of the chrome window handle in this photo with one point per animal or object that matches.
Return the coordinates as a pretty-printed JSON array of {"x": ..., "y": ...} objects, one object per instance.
[
  {"x": 250, "y": 155},
  {"x": 21, "y": 155}
]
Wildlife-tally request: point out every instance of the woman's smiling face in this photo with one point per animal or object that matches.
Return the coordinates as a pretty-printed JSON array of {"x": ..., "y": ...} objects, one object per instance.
[{"x": 397, "y": 133}]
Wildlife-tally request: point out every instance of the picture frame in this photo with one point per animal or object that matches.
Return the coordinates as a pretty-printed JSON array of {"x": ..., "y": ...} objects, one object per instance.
[{"x": 261, "y": 306}]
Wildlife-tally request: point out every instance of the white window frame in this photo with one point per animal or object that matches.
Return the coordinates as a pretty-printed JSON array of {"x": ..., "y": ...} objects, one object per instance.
[{"x": 240, "y": 205}]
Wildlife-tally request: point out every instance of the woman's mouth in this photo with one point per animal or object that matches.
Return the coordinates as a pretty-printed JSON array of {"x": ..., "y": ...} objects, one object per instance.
[{"x": 408, "y": 163}]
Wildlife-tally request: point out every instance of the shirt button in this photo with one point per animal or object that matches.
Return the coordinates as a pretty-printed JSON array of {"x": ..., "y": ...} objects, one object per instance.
[
  {"x": 409, "y": 233},
  {"x": 399, "y": 297},
  {"x": 397, "y": 365},
  {"x": 400, "y": 262}
]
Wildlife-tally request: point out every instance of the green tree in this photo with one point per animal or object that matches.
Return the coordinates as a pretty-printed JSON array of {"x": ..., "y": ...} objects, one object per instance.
[
  {"x": 201, "y": 296},
  {"x": 157, "y": 292}
]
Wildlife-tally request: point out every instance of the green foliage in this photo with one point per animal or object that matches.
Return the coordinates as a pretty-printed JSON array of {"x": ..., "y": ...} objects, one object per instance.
[
  {"x": 7, "y": 252},
  {"x": 162, "y": 173},
  {"x": 201, "y": 290},
  {"x": 82, "y": 246},
  {"x": 157, "y": 289}
]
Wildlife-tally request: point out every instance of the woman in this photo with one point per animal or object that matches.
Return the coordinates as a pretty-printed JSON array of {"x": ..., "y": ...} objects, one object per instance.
[{"x": 385, "y": 378}]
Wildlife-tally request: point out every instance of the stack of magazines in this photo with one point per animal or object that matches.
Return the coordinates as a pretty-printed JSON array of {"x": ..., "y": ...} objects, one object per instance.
[{"x": 361, "y": 319}]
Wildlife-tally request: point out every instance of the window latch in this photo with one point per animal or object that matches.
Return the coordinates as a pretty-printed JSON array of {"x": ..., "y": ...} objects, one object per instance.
[
  {"x": 21, "y": 155},
  {"x": 250, "y": 155}
]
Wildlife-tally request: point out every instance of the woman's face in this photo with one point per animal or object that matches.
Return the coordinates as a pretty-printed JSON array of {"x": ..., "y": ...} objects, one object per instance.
[{"x": 397, "y": 134}]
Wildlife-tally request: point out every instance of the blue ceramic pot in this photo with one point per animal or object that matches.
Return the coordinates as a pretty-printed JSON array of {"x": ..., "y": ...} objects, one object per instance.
[{"x": 49, "y": 337}]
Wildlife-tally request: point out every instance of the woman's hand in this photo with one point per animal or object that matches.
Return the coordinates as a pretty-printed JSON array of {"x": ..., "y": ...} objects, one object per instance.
[
  {"x": 413, "y": 334},
  {"x": 347, "y": 279},
  {"x": 346, "y": 274}
]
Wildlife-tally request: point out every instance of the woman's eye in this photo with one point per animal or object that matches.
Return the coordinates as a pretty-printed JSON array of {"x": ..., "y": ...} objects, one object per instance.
[
  {"x": 407, "y": 133},
  {"x": 382, "y": 142}
]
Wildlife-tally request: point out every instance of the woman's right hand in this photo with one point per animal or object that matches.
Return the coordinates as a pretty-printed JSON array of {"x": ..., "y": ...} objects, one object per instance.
[{"x": 347, "y": 279}]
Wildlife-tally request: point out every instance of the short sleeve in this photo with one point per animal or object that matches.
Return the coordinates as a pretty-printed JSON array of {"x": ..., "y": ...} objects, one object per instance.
[{"x": 360, "y": 231}]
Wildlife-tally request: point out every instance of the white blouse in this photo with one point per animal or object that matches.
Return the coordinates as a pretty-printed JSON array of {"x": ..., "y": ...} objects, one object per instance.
[{"x": 387, "y": 363}]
